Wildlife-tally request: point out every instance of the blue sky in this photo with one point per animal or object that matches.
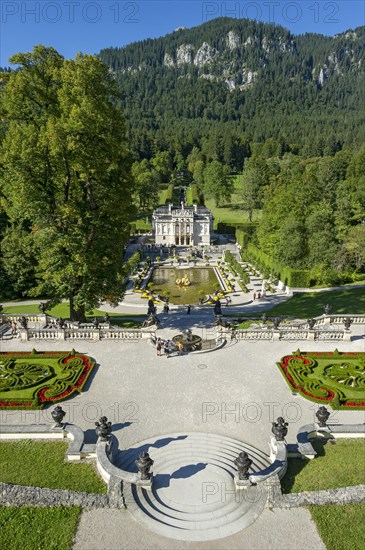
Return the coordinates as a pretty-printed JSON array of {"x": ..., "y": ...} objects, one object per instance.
[{"x": 88, "y": 26}]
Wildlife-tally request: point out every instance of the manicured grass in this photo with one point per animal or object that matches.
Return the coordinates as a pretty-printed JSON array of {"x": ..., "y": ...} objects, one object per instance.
[
  {"x": 310, "y": 304},
  {"x": 63, "y": 310},
  {"x": 42, "y": 464},
  {"x": 230, "y": 213},
  {"x": 340, "y": 527},
  {"x": 29, "y": 528},
  {"x": 338, "y": 465}
]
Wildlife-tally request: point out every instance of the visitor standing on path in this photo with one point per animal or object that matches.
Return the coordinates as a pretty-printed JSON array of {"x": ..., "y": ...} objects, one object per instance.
[
  {"x": 166, "y": 348},
  {"x": 254, "y": 296},
  {"x": 180, "y": 346},
  {"x": 188, "y": 310},
  {"x": 159, "y": 347}
]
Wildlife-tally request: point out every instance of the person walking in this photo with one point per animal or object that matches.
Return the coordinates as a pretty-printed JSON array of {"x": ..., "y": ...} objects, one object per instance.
[
  {"x": 259, "y": 295},
  {"x": 158, "y": 347},
  {"x": 166, "y": 348},
  {"x": 254, "y": 296},
  {"x": 188, "y": 310}
]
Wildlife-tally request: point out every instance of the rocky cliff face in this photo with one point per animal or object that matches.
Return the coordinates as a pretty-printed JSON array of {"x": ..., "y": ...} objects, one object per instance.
[{"x": 247, "y": 52}]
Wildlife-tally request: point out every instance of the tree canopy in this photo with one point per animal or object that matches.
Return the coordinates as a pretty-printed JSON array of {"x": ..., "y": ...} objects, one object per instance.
[{"x": 65, "y": 179}]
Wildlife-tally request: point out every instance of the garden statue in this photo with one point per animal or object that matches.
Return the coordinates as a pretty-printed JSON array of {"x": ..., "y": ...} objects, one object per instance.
[
  {"x": 276, "y": 322},
  {"x": 322, "y": 415},
  {"x": 96, "y": 322},
  {"x": 347, "y": 323},
  {"x": 106, "y": 318},
  {"x": 144, "y": 464},
  {"x": 1, "y": 308},
  {"x": 217, "y": 308},
  {"x": 152, "y": 320},
  {"x": 103, "y": 428},
  {"x": 264, "y": 318},
  {"x": 60, "y": 322},
  {"x": 243, "y": 463},
  {"x": 43, "y": 306},
  {"x": 279, "y": 429},
  {"x": 58, "y": 415},
  {"x": 327, "y": 309},
  {"x": 151, "y": 307},
  {"x": 311, "y": 323},
  {"x": 23, "y": 322}
]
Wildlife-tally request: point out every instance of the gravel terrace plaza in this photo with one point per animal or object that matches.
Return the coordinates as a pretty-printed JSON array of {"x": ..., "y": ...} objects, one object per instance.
[{"x": 193, "y": 413}]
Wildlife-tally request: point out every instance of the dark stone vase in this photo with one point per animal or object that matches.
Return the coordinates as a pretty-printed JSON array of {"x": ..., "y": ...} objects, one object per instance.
[
  {"x": 58, "y": 415},
  {"x": 322, "y": 416},
  {"x": 144, "y": 464},
  {"x": 103, "y": 428},
  {"x": 243, "y": 463},
  {"x": 279, "y": 429}
]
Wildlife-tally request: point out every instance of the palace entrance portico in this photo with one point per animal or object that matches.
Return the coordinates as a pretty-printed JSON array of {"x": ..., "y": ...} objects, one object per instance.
[{"x": 182, "y": 226}]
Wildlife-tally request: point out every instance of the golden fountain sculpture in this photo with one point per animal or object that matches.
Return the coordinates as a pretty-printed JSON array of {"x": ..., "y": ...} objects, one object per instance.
[{"x": 184, "y": 281}]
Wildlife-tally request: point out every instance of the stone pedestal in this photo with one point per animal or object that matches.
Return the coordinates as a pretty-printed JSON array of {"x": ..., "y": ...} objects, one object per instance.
[
  {"x": 23, "y": 333},
  {"x": 145, "y": 484},
  {"x": 242, "y": 484},
  {"x": 311, "y": 335}
]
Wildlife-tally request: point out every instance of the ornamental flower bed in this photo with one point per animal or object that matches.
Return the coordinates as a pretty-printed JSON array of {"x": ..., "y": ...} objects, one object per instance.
[
  {"x": 31, "y": 380},
  {"x": 336, "y": 379}
]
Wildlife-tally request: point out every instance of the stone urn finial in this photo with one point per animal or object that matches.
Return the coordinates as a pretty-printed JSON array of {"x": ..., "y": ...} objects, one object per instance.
[
  {"x": 58, "y": 415},
  {"x": 144, "y": 464},
  {"x": 322, "y": 415},
  {"x": 243, "y": 463},
  {"x": 103, "y": 428},
  {"x": 279, "y": 429},
  {"x": 347, "y": 322}
]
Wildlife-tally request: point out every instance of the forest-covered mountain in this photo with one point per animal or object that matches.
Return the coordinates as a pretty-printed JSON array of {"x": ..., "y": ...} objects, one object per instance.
[{"x": 253, "y": 80}]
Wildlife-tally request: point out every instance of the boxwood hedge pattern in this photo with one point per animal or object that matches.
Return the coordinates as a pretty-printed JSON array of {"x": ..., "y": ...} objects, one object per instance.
[
  {"x": 31, "y": 380},
  {"x": 333, "y": 378}
]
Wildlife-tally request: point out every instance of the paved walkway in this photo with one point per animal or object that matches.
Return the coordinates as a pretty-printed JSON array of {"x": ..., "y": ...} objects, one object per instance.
[{"x": 235, "y": 392}]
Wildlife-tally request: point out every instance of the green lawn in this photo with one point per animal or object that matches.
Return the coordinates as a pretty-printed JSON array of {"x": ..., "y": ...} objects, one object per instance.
[
  {"x": 42, "y": 464},
  {"x": 341, "y": 527},
  {"x": 338, "y": 465},
  {"x": 230, "y": 213},
  {"x": 63, "y": 310},
  {"x": 29, "y": 528},
  {"x": 310, "y": 304}
]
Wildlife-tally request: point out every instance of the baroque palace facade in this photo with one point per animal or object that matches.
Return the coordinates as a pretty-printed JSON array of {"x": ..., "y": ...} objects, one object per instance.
[{"x": 182, "y": 225}]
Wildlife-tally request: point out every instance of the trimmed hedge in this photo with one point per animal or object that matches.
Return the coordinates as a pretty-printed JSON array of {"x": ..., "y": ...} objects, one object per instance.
[
  {"x": 195, "y": 197},
  {"x": 236, "y": 267},
  {"x": 242, "y": 237},
  {"x": 231, "y": 228},
  {"x": 169, "y": 193},
  {"x": 296, "y": 278}
]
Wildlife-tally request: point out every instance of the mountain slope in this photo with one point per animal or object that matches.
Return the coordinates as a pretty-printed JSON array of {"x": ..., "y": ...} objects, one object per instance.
[{"x": 256, "y": 79}]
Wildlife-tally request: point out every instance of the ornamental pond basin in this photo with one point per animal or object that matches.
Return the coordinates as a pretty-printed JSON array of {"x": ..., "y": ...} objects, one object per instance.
[{"x": 202, "y": 279}]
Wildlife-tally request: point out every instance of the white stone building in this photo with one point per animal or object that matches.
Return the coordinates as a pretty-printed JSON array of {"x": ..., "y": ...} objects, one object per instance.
[{"x": 182, "y": 226}]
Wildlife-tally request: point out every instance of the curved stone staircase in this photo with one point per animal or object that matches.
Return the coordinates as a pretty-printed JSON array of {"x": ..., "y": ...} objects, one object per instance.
[{"x": 193, "y": 495}]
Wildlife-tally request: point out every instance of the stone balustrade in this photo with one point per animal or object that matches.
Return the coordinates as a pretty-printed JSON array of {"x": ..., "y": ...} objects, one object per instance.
[
  {"x": 41, "y": 318},
  {"x": 291, "y": 334},
  {"x": 131, "y": 335}
]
